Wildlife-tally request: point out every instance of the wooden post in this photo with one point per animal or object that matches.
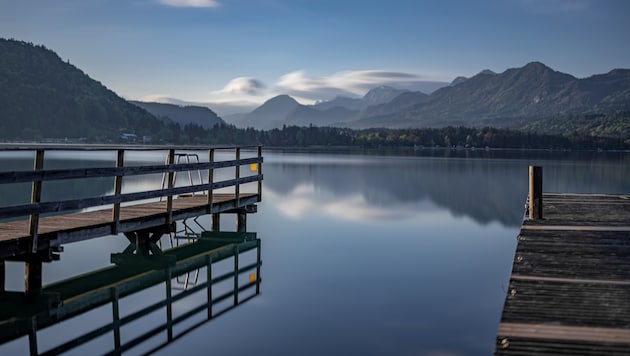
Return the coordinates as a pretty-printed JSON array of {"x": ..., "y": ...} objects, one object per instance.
[
  {"x": 210, "y": 180},
  {"x": 260, "y": 174},
  {"x": 2, "y": 277},
  {"x": 236, "y": 252},
  {"x": 535, "y": 199},
  {"x": 36, "y": 195},
  {"x": 117, "y": 191},
  {"x": 33, "y": 277},
  {"x": 32, "y": 335},
  {"x": 258, "y": 268},
  {"x": 209, "y": 281},
  {"x": 171, "y": 179},
  {"x": 116, "y": 319},
  {"x": 237, "y": 175},
  {"x": 169, "y": 304},
  {"x": 216, "y": 222},
  {"x": 241, "y": 221}
]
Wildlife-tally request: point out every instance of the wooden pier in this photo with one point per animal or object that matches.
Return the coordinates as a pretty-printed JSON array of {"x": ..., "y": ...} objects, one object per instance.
[
  {"x": 569, "y": 291},
  {"x": 35, "y": 232}
]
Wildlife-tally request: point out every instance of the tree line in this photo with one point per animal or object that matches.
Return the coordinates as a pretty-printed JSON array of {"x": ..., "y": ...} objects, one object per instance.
[{"x": 447, "y": 137}]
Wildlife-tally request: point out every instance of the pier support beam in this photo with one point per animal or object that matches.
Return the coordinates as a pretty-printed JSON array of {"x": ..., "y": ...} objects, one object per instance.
[
  {"x": 2, "y": 277},
  {"x": 535, "y": 199},
  {"x": 33, "y": 277},
  {"x": 216, "y": 222},
  {"x": 241, "y": 221}
]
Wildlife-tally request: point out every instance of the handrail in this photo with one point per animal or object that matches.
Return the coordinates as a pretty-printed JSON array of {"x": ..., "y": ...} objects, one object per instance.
[
  {"x": 37, "y": 176},
  {"x": 100, "y": 172},
  {"x": 112, "y": 147}
]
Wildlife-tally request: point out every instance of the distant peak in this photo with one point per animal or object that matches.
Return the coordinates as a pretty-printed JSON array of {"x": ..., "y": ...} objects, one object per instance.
[
  {"x": 283, "y": 98},
  {"x": 538, "y": 66},
  {"x": 458, "y": 80},
  {"x": 487, "y": 72}
]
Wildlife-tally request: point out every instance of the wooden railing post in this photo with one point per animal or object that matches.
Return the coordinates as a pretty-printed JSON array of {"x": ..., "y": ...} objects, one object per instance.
[
  {"x": 535, "y": 197},
  {"x": 260, "y": 174},
  {"x": 36, "y": 195},
  {"x": 210, "y": 180},
  {"x": 2, "y": 277},
  {"x": 237, "y": 175},
  {"x": 117, "y": 191},
  {"x": 171, "y": 179},
  {"x": 258, "y": 254}
]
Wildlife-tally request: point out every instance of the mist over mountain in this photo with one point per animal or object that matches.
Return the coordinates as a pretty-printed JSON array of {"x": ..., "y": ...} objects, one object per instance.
[{"x": 182, "y": 115}]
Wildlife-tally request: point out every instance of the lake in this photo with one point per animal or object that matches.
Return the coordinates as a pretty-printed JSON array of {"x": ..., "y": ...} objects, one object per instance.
[{"x": 364, "y": 253}]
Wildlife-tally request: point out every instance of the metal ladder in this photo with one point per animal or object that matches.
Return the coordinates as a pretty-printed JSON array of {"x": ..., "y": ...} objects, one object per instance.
[
  {"x": 191, "y": 230},
  {"x": 178, "y": 157}
]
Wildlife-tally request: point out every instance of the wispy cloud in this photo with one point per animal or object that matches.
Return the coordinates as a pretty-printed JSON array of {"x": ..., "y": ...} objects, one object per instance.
[
  {"x": 347, "y": 83},
  {"x": 190, "y": 3},
  {"x": 243, "y": 85}
]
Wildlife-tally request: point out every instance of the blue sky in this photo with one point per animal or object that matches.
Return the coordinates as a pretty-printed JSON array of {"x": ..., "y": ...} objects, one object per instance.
[{"x": 246, "y": 51}]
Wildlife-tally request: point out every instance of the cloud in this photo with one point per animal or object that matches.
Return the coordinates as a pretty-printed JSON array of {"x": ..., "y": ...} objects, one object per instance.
[
  {"x": 243, "y": 85},
  {"x": 190, "y": 3},
  {"x": 347, "y": 83}
]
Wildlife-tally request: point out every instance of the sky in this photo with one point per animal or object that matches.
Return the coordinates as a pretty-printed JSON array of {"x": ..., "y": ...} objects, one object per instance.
[{"x": 234, "y": 54}]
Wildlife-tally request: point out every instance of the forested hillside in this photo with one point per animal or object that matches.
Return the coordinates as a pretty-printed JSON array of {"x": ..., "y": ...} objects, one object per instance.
[{"x": 42, "y": 96}]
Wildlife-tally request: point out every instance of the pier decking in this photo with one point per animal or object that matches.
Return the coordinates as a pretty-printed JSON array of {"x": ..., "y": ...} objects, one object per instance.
[
  {"x": 35, "y": 232},
  {"x": 569, "y": 291}
]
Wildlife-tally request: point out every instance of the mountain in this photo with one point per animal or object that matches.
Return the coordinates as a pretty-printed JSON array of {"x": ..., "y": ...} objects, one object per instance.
[
  {"x": 355, "y": 104},
  {"x": 271, "y": 114},
  {"x": 381, "y": 95},
  {"x": 42, "y": 96},
  {"x": 405, "y": 100},
  {"x": 304, "y": 115},
  {"x": 457, "y": 81},
  {"x": 199, "y": 115},
  {"x": 515, "y": 99}
]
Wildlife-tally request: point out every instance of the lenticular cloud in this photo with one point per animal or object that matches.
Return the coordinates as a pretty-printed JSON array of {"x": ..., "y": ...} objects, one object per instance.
[
  {"x": 348, "y": 83},
  {"x": 243, "y": 85}
]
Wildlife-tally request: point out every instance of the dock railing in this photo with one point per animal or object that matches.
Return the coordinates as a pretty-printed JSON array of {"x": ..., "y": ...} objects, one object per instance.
[{"x": 38, "y": 175}]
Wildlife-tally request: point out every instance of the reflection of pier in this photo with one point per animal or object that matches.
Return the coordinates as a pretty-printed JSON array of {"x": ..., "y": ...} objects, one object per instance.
[
  {"x": 133, "y": 273},
  {"x": 31, "y": 235},
  {"x": 569, "y": 289}
]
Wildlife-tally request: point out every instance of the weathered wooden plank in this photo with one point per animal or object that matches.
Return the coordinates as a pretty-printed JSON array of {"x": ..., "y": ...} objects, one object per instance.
[
  {"x": 85, "y": 225},
  {"x": 515, "y": 346},
  {"x": 562, "y": 332},
  {"x": 570, "y": 282}
]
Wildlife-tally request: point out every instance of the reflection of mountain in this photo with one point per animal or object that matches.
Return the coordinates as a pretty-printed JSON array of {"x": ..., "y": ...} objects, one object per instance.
[{"x": 483, "y": 189}]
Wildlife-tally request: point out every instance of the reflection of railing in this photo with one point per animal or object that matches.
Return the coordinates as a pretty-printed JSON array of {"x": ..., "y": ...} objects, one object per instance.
[
  {"x": 38, "y": 175},
  {"x": 67, "y": 299}
]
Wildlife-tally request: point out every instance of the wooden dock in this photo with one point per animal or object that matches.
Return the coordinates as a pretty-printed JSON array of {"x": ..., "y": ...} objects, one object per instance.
[
  {"x": 569, "y": 291},
  {"x": 35, "y": 232}
]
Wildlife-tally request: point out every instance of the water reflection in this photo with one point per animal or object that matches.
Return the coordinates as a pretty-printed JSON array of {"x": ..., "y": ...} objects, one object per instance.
[
  {"x": 365, "y": 188},
  {"x": 142, "y": 304}
]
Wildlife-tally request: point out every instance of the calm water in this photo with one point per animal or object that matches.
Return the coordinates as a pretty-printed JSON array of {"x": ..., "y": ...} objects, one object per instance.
[{"x": 362, "y": 254}]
